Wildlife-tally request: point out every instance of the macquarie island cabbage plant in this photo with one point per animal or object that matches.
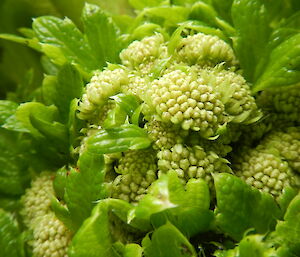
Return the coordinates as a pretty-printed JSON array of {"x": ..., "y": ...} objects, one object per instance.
[{"x": 171, "y": 130}]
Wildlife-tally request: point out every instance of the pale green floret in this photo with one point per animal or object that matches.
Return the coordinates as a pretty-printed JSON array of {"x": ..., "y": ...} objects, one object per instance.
[
  {"x": 205, "y": 50},
  {"x": 191, "y": 162},
  {"x": 137, "y": 85},
  {"x": 287, "y": 143},
  {"x": 50, "y": 237},
  {"x": 139, "y": 161},
  {"x": 102, "y": 85},
  {"x": 36, "y": 201},
  {"x": 235, "y": 92},
  {"x": 138, "y": 169},
  {"x": 284, "y": 101},
  {"x": 264, "y": 171},
  {"x": 164, "y": 135},
  {"x": 143, "y": 55},
  {"x": 133, "y": 186},
  {"x": 183, "y": 99}
]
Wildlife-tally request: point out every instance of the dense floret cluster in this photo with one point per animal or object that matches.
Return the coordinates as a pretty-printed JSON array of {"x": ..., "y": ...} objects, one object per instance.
[
  {"x": 50, "y": 235},
  {"x": 170, "y": 128}
]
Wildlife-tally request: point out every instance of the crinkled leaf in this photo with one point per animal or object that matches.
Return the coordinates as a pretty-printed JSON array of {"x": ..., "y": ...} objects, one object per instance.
[
  {"x": 61, "y": 38},
  {"x": 167, "y": 241},
  {"x": 118, "y": 140},
  {"x": 9, "y": 236},
  {"x": 250, "y": 20},
  {"x": 93, "y": 239},
  {"x": 186, "y": 207},
  {"x": 242, "y": 205},
  {"x": 283, "y": 67},
  {"x": 84, "y": 186},
  {"x": 102, "y": 34},
  {"x": 288, "y": 230}
]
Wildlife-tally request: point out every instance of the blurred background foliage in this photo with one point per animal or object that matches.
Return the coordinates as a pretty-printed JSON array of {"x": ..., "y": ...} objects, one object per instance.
[{"x": 18, "y": 14}]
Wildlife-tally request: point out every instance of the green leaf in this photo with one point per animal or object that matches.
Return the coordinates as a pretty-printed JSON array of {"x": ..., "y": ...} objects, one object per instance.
[
  {"x": 239, "y": 207},
  {"x": 289, "y": 230},
  {"x": 9, "y": 203},
  {"x": 185, "y": 207},
  {"x": 69, "y": 86},
  {"x": 93, "y": 239},
  {"x": 7, "y": 109},
  {"x": 33, "y": 43},
  {"x": 39, "y": 111},
  {"x": 118, "y": 140},
  {"x": 167, "y": 241},
  {"x": 54, "y": 132},
  {"x": 10, "y": 243},
  {"x": 115, "y": 118},
  {"x": 133, "y": 250},
  {"x": 223, "y": 8},
  {"x": 283, "y": 67},
  {"x": 13, "y": 173},
  {"x": 102, "y": 34},
  {"x": 206, "y": 13},
  {"x": 84, "y": 186},
  {"x": 60, "y": 182},
  {"x": 127, "y": 102},
  {"x": 250, "y": 20},
  {"x": 63, "y": 214},
  {"x": 62, "y": 41},
  {"x": 141, "y": 4},
  {"x": 166, "y": 16}
]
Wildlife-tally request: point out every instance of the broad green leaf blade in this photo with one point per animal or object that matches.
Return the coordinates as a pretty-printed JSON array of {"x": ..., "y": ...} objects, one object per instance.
[
  {"x": 10, "y": 244},
  {"x": 185, "y": 207},
  {"x": 283, "y": 67},
  {"x": 289, "y": 230},
  {"x": 167, "y": 241},
  {"x": 69, "y": 86},
  {"x": 250, "y": 20},
  {"x": 93, "y": 239},
  {"x": 62, "y": 38},
  {"x": 239, "y": 207},
  {"x": 84, "y": 186},
  {"x": 102, "y": 34},
  {"x": 118, "y": 140}
]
